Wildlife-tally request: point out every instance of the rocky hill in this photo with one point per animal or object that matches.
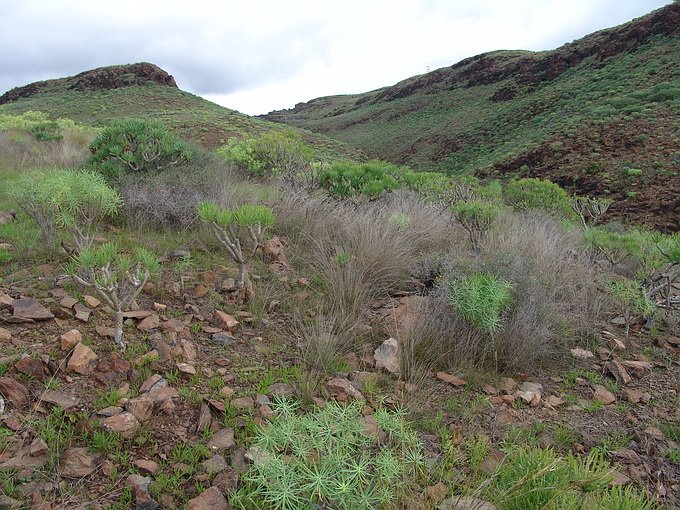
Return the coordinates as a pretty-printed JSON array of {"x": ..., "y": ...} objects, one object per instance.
[
  {"x": 101, "y": 95},
  {"x": 587, "y": 115}
]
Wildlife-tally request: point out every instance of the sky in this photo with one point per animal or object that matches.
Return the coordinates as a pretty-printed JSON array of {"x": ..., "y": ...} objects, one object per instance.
[{"x": 256, "y": 56}]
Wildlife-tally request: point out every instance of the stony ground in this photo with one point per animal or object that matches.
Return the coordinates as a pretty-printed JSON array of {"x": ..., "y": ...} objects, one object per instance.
[{"x": 83, "y": 425}]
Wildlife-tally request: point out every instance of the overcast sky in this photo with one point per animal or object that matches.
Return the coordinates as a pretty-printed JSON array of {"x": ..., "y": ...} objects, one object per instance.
[{"x": 259, "y": 55}]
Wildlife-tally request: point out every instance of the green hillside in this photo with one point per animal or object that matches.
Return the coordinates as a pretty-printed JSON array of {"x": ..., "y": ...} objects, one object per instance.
[
  {"x": 582, "y": 115},
  {"x": 102, "y": 95}
]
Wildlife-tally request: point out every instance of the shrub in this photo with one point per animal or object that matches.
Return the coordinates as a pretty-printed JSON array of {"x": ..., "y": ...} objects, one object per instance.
[
  {"x": 476, "y": 217},
  {"x": 481, "y": 299},
  {"x": 369, "y": 180},
  {"x": 273, "y": 153},
  {"x": 240, "y": 231},
  {"x": 531, "y": 193},
  {"x": 328, "y": 459},
  {"x": 136, "y": 146},
  {"x": 73, "y": 200},
  {"x": 590, "y": 210},
  {"x": 116, "y": 277},
  {"x": 632, "y": 299}
]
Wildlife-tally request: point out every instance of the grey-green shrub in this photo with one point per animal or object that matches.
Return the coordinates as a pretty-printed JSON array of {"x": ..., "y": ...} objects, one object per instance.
[{"x": 134, "y": 146}]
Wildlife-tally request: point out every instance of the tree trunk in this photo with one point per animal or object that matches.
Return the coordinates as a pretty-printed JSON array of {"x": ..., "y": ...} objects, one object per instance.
[{"x": 118, "y": 330}]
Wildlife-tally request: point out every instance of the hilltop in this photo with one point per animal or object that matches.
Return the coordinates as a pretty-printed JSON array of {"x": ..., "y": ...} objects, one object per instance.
[
  {"x": 99, "y": 96},
  {"x": 598, "y": 116}
]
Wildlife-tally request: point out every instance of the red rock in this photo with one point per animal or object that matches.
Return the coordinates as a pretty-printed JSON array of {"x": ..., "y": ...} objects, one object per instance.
[
  {"x": 105, "y": 331},
  {"x": 150, "y": 322},
  {"x": 82, "y": 312},
  {"x": 124, "y": 423},
  {"x": 147, "y": 466},
  {"x": 77, "y": 463},
  {"x": 210, "y": 499},
  {"x": 451, "y": 379},
  {"x": 226, "y": 320},
  {"x": 31, "y": 367},
  {"x": 91, "y": 301},
  {"x": 141, "y": 408},
  {"x": 14, "y": 392},
  {"x": 618, "y": 371},
  {"x": 222, "y": 440},
  {"x": 58, "y": 398},
  {"x": 5, "y": 335},
  {"x": 68, "y": 302},
  {"x": 137, "y": 314},
  {"x": 70, "y": 339},
  {"x": 81, "y": 359},
  {"x": 339, "y": 387},
  {"x": 602, "y": 394}
]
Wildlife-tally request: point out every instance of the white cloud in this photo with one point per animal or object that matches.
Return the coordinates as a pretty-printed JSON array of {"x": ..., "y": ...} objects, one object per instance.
[{"x": 265, "y": 54}]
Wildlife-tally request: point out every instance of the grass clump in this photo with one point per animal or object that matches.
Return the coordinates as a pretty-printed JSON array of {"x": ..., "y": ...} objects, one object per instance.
[
  {"x": 327, "y": 458},
  {"x": 481, "y": 299}
]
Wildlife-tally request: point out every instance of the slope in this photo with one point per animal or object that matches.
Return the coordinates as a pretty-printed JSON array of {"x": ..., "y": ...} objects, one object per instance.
[
  {"x": 99, "y": 96},
  {"x": 583, "y": 115}
]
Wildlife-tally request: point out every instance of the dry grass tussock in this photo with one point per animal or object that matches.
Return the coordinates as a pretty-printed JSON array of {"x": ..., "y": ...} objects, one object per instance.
[
  {"x": 358, "y": 252},
  {"x": 20, "y": 149},
  {"x": 554, "y": 300}
]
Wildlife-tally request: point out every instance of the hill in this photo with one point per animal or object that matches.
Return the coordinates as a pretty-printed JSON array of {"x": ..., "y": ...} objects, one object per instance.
[
  {"x": 600, "y": 115},
  {"x": 98, "y": 96}
]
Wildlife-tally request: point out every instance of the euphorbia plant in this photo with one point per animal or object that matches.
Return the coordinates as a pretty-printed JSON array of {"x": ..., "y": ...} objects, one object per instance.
[
  {"x": 241, "y": 231},
  {"x": 116, "y": 277}
]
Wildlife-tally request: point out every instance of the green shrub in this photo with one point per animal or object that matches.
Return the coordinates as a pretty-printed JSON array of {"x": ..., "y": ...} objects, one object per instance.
[
  {"x": 328, "y": 460},
  {"x": 240, "y": 231},
  {"x": 476, "y": 216},
  {"x": 531, "y": 193},
  {"x": 371, "y": 180},
  {"x": 631, "y": 297},
  {"x": 73, "y": 200},
  {"x": 481, "y": 299},
  {"x": 46, "y": 131},
  {"x": 135, "y": 145},
  {"x": 275, "y": 153},
  {"x": 116, "y": 277}
]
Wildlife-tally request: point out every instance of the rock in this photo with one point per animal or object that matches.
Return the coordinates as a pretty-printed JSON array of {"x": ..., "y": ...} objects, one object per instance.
[
  {"x": 388, "y": 356},
  {"x": 210, "y": 499},
  {"x": 7, "y": 503},
  {"x": 227, "y": 392},
  {"x": 110, "y": 411},
  {"x": 147, "y": 466},
  {"x": 105, "y": 331},
  {"x": 68, "y": 302},
  {"x": 639, "y": 368},
  {"x": 162, "y": 394},
  {"x": 619, "y": 321},
  {"x": 273, "y": 251},
  {"x": 148, "y": 323},
  {"x": 582, "y": 353},
  {"x": 29, "y": 308},
  {"x": 14, "y": 392},
  {"x": 627, "y": 456},
  {"x": 38, "y": 448},
  {"x": 60, "y": 399},
  {"x": 71, "y": 338},
  {"x": 342, "y": 388},
  {"x": 532, "y": 387},
  {"x": 5, "y": 335},
  {"x": 451, "y": 379},
  {"x": 137, "y": 314},
  {"x": 226, "y": 320},
  {"x": 243, "y": 403},
  {"x": 32, "y": 367},
  {"x": 138, "y": 482},
  {"x": 226, "y": 481},
  {"x": 91, "y": 301},
  {"x": 82, "y": 312},
  {"x": 167, "y": 406},
  {"x": 81, "y": 359},
  {"x": 159, "y": 307},
  {"x": 188, "y": 350},
  {"x": 674, "y": 341},
  {"x": 223, "y": 339},
  {"x": 508, "y": 385},
  {"x": 77, "y": 463},
  {"x": 654, "y": 433},
  {"x": 172, "y": 326},
  {"x": 165, "y": 352},
  {"x": 154, "y": 382},
  {"x": 200, "y": 291},
  {"x": 618, "y": 371},
  {"x": 603, "y": 395},
  {"x": 141, "y": 408},
  {"x": 262, "y": 400},
  {"x": 373, "y": 430},
  {"x": 465, "y": 503},
  {"x": 281, "y": 390},
  {"x": 186, "y": 369},
  {"x": 257, "y": 455},
  {"x": 222, "y": 440},
  {"x": 214, "y": 464},
  {"x": 204, "y": 418},
  {"x": 633, "y": 396},
  {"x": 614, "y": 343},
  {"x": 125, "y": 424}
]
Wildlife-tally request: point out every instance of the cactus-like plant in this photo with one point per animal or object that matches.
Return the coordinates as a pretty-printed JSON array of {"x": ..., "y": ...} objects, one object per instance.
[
  {"x": 116, "y": 277},
  {"x": 241, "y": 231},
  {"x": 476, "y": 216}
]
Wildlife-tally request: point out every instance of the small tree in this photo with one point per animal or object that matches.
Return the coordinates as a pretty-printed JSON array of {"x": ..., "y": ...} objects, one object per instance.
[
  {"x": 590, "y": 210},
  {"x": 136, "y": 145},
  {"x": 241, "y": 231},
  {"x": 73, "y": 200},
  {"x": 116, "y": 277},
  {"x": 531, "y": 193},
  {"x": 476, "y": 216}
]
